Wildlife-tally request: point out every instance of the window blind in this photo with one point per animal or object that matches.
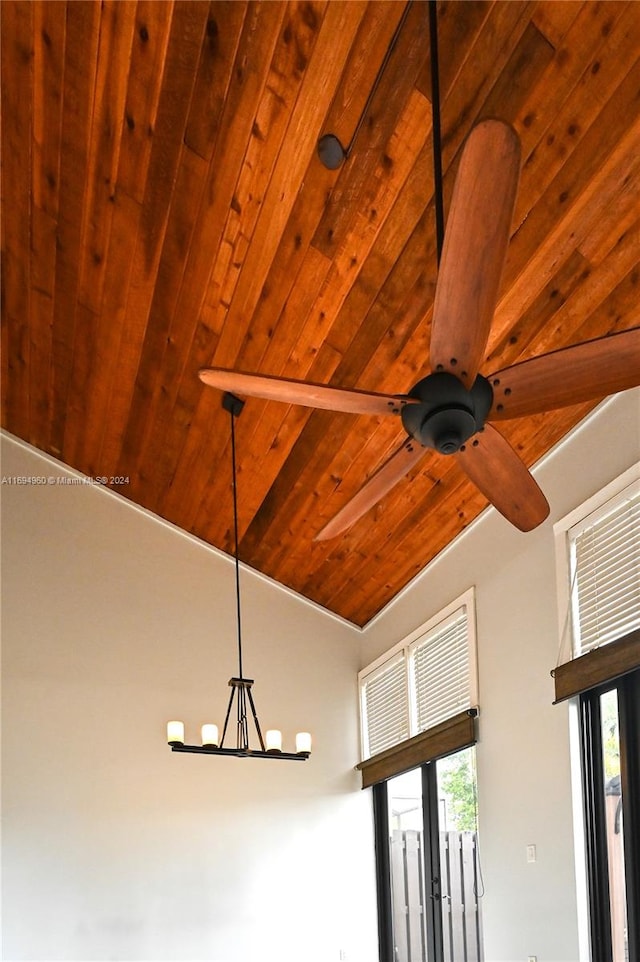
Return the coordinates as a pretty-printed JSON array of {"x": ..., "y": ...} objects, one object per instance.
[
  {"x": 598, "y": 548},
  {"x": 385, "y": 706},
  {"x": 605, "y": 555},
  {"x": 441, "y": 670},
  {"x": 418, "y": 701}
]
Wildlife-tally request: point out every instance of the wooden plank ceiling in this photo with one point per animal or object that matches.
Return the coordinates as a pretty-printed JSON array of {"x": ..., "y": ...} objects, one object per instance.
[{"x": 164, "y": 208}]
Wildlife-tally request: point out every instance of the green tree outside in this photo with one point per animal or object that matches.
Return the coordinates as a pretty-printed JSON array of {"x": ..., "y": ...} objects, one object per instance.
[{"x": 457, "y": 783}]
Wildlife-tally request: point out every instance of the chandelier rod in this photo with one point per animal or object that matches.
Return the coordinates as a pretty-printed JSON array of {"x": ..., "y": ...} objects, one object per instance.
[{"x": 234, "y": 407}]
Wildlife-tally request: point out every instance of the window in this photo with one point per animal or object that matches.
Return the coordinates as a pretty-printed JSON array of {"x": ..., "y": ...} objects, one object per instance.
[
  {"x": 385, "y": 705},
  {"x": 598, "y": 549},
  {"x": 605, "y": 569},
  {"x": 429, "y": 883},
  {"x": 598, "y": 552},
  {"x": 441, "y": 671},
  {"x": 428, "y": 678},
  {"x": 417, "y": 710}
]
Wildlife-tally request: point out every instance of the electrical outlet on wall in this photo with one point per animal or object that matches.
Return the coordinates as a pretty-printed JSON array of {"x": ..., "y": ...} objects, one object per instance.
[{"x": 532, "y": 958}]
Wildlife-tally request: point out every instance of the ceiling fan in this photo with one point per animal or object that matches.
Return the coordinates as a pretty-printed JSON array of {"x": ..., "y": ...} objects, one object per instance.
[{"x": 451, "y": 410}]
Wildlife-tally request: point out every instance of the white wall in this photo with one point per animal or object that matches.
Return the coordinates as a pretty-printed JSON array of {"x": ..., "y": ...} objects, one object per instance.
[
  {"x": 523, "y": 753},
  {"x": 113, "y": 846}
]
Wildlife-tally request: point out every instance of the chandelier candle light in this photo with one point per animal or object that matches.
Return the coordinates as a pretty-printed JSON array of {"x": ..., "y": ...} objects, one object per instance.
[{"x": 271, "y": 744}]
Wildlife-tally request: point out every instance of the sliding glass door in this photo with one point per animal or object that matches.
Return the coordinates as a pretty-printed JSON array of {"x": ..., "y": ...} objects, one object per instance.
[
  {"x": 428, "y": 866},
  {"x": 610, "y": 733}
]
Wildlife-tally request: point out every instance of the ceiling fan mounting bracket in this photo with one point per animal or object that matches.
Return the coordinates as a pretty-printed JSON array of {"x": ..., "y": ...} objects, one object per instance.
[
  {"x": 232, "y": 404},
  {"x": 448, "y": 414}
]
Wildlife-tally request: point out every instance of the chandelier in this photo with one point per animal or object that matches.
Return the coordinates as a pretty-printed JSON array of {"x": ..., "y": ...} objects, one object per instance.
[{"x": 271, "y": 743}]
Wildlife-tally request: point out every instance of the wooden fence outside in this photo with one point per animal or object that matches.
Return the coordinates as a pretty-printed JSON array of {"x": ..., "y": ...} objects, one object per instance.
[{"x": 461, "y": 920}]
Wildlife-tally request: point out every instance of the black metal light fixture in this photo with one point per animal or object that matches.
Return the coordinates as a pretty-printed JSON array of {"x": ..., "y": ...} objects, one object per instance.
[{"x": 271, "y": 744}]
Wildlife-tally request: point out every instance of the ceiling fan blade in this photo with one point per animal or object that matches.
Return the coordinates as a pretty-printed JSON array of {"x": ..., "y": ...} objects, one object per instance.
[
  {"x": 583, "y": 372},
  {"x": 304, "y": 392},
  {"x": 497, "y": 470},
  {"x": 379, "y": 484},
  {"x": 475, "y": 246}
]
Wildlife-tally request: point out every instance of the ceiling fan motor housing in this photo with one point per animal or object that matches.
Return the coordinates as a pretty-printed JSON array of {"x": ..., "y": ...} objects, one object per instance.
[{"x": 448, "y": 414}]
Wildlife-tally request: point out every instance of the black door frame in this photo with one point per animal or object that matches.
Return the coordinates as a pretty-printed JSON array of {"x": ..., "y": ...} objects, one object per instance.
[
  {"x": 628, "y": 690},
  {"x": 433, "y": 893},
  {"x": 383, "y": 872},
  {"x": 433, "y": 873}
]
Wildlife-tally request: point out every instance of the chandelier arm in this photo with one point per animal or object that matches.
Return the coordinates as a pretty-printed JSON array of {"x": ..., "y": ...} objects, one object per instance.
[
  {"x": 239, "y": 732},
  {"x": 243, "y": 724},
  {"x": 238, "y": 752},
  {"x": 255, "y": 718},
  {"x": 226, "y": 720}
]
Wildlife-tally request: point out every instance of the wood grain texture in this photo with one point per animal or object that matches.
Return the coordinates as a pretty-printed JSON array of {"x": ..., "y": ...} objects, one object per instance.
[
  {"x": 453, "y": 735},
  {"x": 498, "y": 472},
  {"x": 475, "y": 244},
  {"x": 164, "y": 210},
  {"x": 597, "y": 667},
  {"x": 17, "y": 49}
]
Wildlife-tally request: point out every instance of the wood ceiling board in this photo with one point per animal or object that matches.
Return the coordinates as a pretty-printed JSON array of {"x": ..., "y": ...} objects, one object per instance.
[
  {"x": 334, "y": 41},
  {"x": 480, "y": 71},
  {"x": 189, "y": 187},
  {"x": 555, "y": 20},
  {"x": 351, "y": 190},
  {"x": 223, "y": 34},
  {"x": 81, "y": 46},
  {"x": 43, "y": 232},
  {"x": 163, "y": 206},
  {"x": 144, "y": 86},
  {"x": 398, "y": 559},
  {"x": 155, "y": 369},
  {"x": 581, "y": 316},
  {"x": 451, "y": 503},
  {"x": 48, "y": 65},
  {"x": 458, "y": 26},
  {"x": 547, "y": 120},
  {"x": 104, "y": 350},
  {"x": 179, "y": 72},
  {"x": 530, "y": 322},
  {"x": 17, "y": 27},
  {"x": 109, "y": 93},
  {"x": 547, "y": 234},
  {"x": 49, "y": 35}
]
